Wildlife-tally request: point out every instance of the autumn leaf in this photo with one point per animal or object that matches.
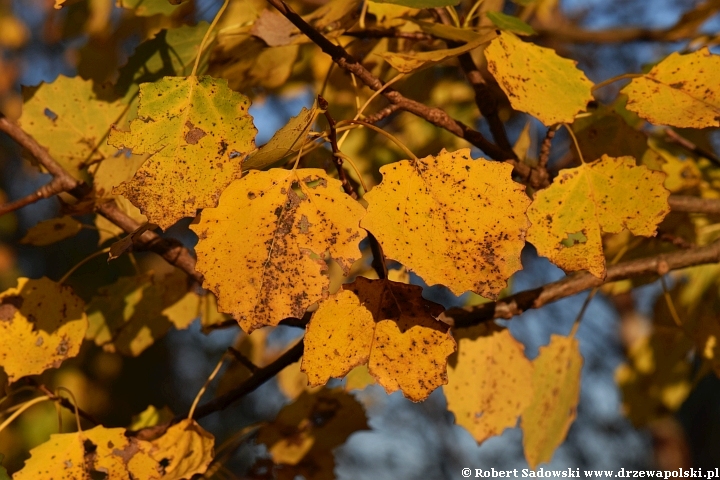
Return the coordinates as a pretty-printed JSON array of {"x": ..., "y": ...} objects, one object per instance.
[
  {"x": 50, "y": 231},
  {"x": 569, "y": 217},
  {"x": 385, "y": 324},
  {"x": 530, "y": 75},
  {"x": 262, "y": 250},
  {"x": 286, "y": 141},
  {"x": 681, "y": 91},
  {"x": 150, "y": 417},
  {"x": 75, "y": 136},
  {"x": 184, "y": 450},
  {"x": 100, "y": 451},
  {"x": 408, "y": 62},
  {"x": 292, "y": 381},
  {"x": 556, "y": 383},
  {"x": 510, "y": 23},
  {"x": 197, "y": 132},
  {"x": 129, "y": 315},
  {"x": 452, "y": 220},
  {"x": 421, "y": 3},
  {"x": 146, "y": 8},
  {"x": 489, "y": 381},
  {"x": 302, "y": 437},
  {"x": 42, "y": 324}
]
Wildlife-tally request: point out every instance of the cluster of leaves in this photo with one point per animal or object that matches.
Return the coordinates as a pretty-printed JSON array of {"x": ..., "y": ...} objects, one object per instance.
[{"x": 285, "y": 232}]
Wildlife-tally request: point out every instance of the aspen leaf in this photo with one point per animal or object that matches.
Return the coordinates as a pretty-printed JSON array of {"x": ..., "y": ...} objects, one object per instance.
[
  {"x": 407, "y": 62},
  {"x": 197, "y": 131},
  {"x": 74, "y": 136},
  {"x": 569, "y": 217},
  {"x": 128, "y": 316},
  {"x": 387, "y": 325},
  {"x": 292, "y": 381},
  {"x": 530, "y": 75},
  {"x": 510, "y": 23},
  {"x": 150, "y": 417},
  {"x": 96, "y": 453},
  {"x": 184, "y": 450},
  {"x": 42, "y": 323},
  {"x": 556, "y": 392},
  {"x": 210, "y": 317},
  {"x": 358, "y": 378},
  {"x": 287, "y": 141},
  {"x": 446, "y": 32},
  {"x": 146, "y": 8},
  {"x": 262, "y": 250},
  {"x": 489, "y": 381},
  {"x": 452, "y": 220},
  {"x": 51, "y": 231},
  {"x": 303, "y": 435},
  {"x": 681, "y": 91}
]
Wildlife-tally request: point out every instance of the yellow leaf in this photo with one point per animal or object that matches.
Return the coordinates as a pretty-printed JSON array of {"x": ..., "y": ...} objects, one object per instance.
[
  {"x": 262, "y": 250},
  {"x": 210, "y": 317},
  {"x": 150, "y": 417},
  {"x": 183, "y": 312},
  {"x": 606, "y": 132},
  {"x": 556, "y": 382},
  {"x": 42, "y": 323},
  {"x": 292, "y": 381},
  {"x": 680, "y": 174},
  {"x": 569, "y": 217},
  {"x": 358, "y": 378},
  {"x": 197, "y": 132},
  {"x": 530, "y": 75},
  {"x": 523, "y": 143},
  {"x": 303, "y": 435},
  {"x": 387, "y": 325},
  {"x": 127, "y": 316},
  {"x": 452, "y": 220},
  {"x": 287, "y": 141},
  {"x": 184, "y": 450},
  {"x": 74, "y": 136},
  {"x": 681, "y": 91},
  {"x": 96, "y": 453},
  {"x": 489, "y": 381},
  {"x": 146, "y": 8},
  {"x": 407, "y": 62},
  {"x": 51, "y": 231}
]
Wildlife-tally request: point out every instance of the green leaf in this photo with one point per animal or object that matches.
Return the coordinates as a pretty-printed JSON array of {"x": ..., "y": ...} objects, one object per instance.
[
  {"x": 421, "y": 3},
  {"x": 146, "y": 8},
  {"x": 3, "y": 473},
  {"x": 510, "y": 23}
]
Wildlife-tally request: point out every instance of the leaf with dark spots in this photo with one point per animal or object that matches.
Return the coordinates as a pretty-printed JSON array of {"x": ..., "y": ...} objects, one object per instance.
[
  {"x": 387, "y": 325},
  {"x": 272, "y": 216}
]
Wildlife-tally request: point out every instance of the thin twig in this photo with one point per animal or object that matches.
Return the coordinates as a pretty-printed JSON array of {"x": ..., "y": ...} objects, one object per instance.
[
  {"x": 546, "y": 145},
  {"x": 382, "y": 114},
  {"x": 343, "y": 59},
  {"x": 244, "y": 361},
  {"x": 337, "y": 160},
  {"x": 64, "y": 402},
  {"x": 673, "y": 137}
]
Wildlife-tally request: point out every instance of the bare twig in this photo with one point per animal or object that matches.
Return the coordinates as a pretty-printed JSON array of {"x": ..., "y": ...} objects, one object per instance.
[
  {"x": 382, "y": 114},
  {"x": 530, "y": 299},
  {"x": 244, "y": 361},
  {"x": 686, "y": 203},
  {"x": 337, "y": 159},
  {"x": 343, "y": 59},
  {"x": 546, "y": 145},
  {"x": 674, "y": 137},
  {"x": 260, "y": 376}
]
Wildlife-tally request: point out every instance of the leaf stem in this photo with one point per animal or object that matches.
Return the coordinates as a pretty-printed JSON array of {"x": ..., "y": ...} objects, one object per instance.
[
  {"x": 20, "y": 410},
  {"x": 574, "y": 139},
  {"x": 82, "y": 262},
  {"x": 207, "y": 35},
  {"x": 205, "y": 385},
  {"x": 607, "y": 82},
  {"x": 75, "y": 404},
  {"x": 383, "y": 132}
]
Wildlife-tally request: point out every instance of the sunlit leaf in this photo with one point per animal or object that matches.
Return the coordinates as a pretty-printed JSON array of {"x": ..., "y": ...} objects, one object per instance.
[
  {"x": 387, "y": 325},
  {"x": 198, "y": 132},
  {"x": 42, "y": 323},
  {"x": 489, "y": 381},
  {"x": 681, "y": 91},
  {"x": 569, "y": 217},
  {"x": 71, "y": 117},
  {"x": 556, "y": 384},
  {"x": 272, "y": 230},
  {"x": 452, "y": 220},
  {"x": 530, "y": 75}
]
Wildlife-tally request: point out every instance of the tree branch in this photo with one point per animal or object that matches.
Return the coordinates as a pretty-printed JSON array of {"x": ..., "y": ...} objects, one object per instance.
[
  {"x": 343, "y": 59},
  {"x": 530, "y": 299}
]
